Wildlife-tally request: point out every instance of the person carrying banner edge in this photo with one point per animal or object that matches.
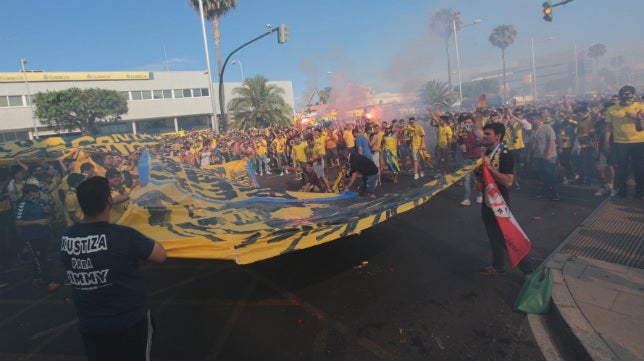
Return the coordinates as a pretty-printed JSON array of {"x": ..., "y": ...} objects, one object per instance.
[
  {"x": 501, "y": 166},
  {"x": 101, "y": 261}
]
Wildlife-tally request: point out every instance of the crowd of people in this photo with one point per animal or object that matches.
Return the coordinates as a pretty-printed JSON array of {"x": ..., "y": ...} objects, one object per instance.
[
  {"x": 77, "y": 200},
  {"x": 593, "y": 142}
]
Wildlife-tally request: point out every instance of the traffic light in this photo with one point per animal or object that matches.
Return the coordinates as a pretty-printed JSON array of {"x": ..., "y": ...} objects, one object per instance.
[
  {"x": 282, "y": 34},
  {"x": 547, "y": 11}
]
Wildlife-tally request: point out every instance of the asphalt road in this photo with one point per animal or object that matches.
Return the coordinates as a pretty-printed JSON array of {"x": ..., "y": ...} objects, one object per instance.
[{"x": 418, "y": 296}]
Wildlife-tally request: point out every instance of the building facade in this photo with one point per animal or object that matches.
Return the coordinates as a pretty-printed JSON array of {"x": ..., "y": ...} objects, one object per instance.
[{"x": 158, "y": 102}]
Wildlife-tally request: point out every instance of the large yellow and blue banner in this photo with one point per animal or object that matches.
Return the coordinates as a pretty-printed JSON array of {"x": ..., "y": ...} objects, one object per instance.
[
  {"x": 56, "y": 148},
  {"x": 222, "y": 213}
]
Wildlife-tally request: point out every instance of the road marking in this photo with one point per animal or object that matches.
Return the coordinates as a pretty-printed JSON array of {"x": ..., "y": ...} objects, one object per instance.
[
  {"x": 232, "y": 321},
  {"x": 40, "y": 334},
  {"x": 364, "y": 342}
]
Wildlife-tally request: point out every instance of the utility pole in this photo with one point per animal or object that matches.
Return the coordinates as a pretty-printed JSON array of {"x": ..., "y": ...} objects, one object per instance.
[
  {"x": 23, "y": 62},
  {"x": 283, "y": 37},
  {"x": 211, "y": 87}
]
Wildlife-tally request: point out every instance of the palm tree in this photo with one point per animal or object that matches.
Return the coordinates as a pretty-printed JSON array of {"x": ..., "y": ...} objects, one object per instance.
[
  {"x": 442, "y": 24},
  {"x": 595, "y": 52},
  {"x": 436, "y": 92},
  {"x": 503, "y": 36},
  {"x": 213, "y": 10},
  {"x": 324, "y": 94},
  {"x": 258, "y": 104}
]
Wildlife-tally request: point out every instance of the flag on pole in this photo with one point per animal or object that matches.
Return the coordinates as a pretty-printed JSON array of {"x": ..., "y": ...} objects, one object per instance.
[{"x": 516, "y": 241}]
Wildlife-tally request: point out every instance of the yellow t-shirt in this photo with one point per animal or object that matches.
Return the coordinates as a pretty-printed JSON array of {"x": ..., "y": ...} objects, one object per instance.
[
  {"x": 299, "y": 153},
  {"x": 260, "y": 147},
  {"x": 278, "y": 144},
  {"x": 444, "y": 137},
  {"x": 513, "y": 139},
  {"x": 321, "y": 141},
  {"x": 331, "y": 141},
  {"x": 118, "y": 209},
  {"x": 390, "y": 143},
  {"x": 624, "y": 130},
  {"x": 417, "y": 137},
  {"x": 349, "y": 139},
  {"x": 315, "y": 154},
  {"x": 84, "y": 157},
  {"x": 72, "y": 206}
]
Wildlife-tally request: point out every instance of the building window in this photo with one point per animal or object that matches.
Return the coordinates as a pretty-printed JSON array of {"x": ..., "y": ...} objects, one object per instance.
[
  {"x": 12, "y": 136},
  {"x": 167, "y": 93},
  {"x": 157, "y": 94},
  {"x": 15, "y": 101},
  {"x": 114, "y": 128},
  {"x": 136, "y": 95},
  {"x": 196, "y": 92},
  {"x": 147, "y": 94},
  {"x": 204, "y": 92},
  {"x": 178, "y": 93},
  {"x": 3, "y": 101},
  {"x": 186, "y": 93}
]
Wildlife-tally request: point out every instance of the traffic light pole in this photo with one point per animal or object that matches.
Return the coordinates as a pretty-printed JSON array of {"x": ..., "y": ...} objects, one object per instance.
[
  {"x": 562, "y": 3},
  {"x": 221, "y": 75},
  {"x": 547, "y": 8}
]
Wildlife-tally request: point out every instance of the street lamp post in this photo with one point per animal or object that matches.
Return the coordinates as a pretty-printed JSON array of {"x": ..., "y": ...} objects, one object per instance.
[
  {"x": 23, "y": 62},
  {"x": 458, "y": 59},
  {"x": 576, "y": 71},
  {"x": 534, "y": 68},
  {"x": 534, "y": 72},
  {"x": 241, "y": 69},
  {"x": 223, "y": 68},
  {"x": 211, "y": 87}
]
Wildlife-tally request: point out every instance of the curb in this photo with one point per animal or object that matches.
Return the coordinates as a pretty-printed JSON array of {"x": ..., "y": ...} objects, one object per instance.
[
  {"x": 564, "y": 317},
  {"x": 575, "y": 320}
]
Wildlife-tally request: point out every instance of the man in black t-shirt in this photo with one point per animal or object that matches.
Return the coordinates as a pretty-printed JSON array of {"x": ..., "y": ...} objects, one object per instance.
[
  {"x": 101, "y": 262},
  {"x": 501, "y": 166},
  {"x": 364, "y": 168}
]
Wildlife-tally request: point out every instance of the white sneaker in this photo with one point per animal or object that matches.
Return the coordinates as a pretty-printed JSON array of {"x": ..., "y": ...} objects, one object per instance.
[
  {"x": 416, "y": 176},
  {"x": 281, "y": 174},
  {"x": 286, "y": 171},
  {"x": 600, "y": 192},
  {"x": 422, "y": 174},
  {"x": 613, "y": 192},
  {"x": 466, "y": 202},
  {"x": 479, "y": 199},
  {"x": 566, "y": 181},
  {"x": 261, "y": 174},
  {"x": 268, "y": 172}
]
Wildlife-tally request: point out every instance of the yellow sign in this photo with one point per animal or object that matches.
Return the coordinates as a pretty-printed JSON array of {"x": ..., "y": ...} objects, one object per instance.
[{"x": 74, "y": 76}]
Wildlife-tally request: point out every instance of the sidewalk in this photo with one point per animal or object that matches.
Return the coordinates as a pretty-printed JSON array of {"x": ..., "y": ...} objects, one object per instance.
[{"x": 598, "y": 284}]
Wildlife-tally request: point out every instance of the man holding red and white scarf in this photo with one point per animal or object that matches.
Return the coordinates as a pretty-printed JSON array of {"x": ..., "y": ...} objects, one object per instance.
[{"x": 499, "y": 166}]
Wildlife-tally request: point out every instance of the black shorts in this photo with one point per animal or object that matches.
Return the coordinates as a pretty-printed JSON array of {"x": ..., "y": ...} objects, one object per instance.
[{"x": 133, "y": 343}]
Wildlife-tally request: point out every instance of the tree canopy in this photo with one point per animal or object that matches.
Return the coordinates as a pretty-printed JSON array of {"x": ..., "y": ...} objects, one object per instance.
[
  {"x": 595, "y": 52},
  {"x": 213, "y": 10},
  {"x": 436, "y": 92},
  {"x": 442, "y": 24},
  {"x": 503, "y": 36},
  {"x": 79, "y": 109},
  {"x": 258, "y": 104},
  {"x": 474, "y": 89}
]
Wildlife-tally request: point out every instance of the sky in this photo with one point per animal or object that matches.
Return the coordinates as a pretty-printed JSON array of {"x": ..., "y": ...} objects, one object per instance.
[{"x": 386, "y": 46}]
